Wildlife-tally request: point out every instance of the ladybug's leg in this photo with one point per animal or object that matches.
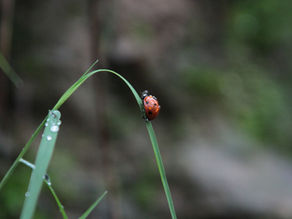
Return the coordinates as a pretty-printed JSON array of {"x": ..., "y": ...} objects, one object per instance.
[{"x": 145, "y": 117}]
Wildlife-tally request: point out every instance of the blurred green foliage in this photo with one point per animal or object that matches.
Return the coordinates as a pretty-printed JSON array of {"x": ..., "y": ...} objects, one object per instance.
[
  {"x": 247, "y": 96},
  {"x": 252, "y": 86},
  {"x": 145, "y": 190},
  {"x": 12, "y": 197},
  {"x": 262, "y": 25},
  {"x": 11, "y": 200}
]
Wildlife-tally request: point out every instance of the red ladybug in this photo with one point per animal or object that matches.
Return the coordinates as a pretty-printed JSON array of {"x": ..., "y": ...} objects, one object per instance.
[{"x": 151, "y": 105}]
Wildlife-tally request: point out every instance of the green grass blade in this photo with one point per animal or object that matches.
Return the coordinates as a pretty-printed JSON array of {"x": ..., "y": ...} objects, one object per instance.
[
  {"x": 91, "y": 66},
  {"x": 90, "y": 209},
  {"x": 43, "y": 158},
  {"x": 153, "y": 142},
  {"x": 8, "y": 70},
  {"x": 161, "y": 168},
  {"x": 84, "y": 77},
  {"x": 49, "y": 184},
  {"x": 61, "y": 207},
  {"x": 74, "y": 87},
  {"x": 136, "y": 95},
  {"x": 154, "y": 145}
]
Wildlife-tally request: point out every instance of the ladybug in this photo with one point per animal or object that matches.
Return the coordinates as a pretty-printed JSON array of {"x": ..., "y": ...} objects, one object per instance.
[{"x": 151, "y": 105}]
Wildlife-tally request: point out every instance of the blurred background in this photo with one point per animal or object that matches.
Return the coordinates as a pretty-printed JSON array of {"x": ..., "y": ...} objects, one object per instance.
[{"x": 221, "y": 71}]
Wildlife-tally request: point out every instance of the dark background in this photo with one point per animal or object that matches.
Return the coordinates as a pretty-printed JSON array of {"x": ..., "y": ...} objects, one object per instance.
[{"x": 221, "y": 71}]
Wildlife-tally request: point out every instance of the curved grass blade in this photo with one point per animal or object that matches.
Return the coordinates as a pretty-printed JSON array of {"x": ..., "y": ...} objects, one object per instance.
[
  {"x": 8, "y": 70},
  {"x": 84, "y": 77},
  {"x": 154, "y": 145},
  {"x": 90, "y": 209},
  {"x": 153, "y": 142},
  {"x": 150, "y": 130},
  {"x": 43, "y": 158}
]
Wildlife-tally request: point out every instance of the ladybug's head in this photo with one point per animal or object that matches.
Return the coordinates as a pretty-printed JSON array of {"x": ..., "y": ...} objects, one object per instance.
[{"x": 144, "y": 94}]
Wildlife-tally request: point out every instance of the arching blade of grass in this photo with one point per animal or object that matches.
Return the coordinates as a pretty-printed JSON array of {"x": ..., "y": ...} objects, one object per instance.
[
  {"x": 6, "y": 68},
  {"x": 90, "y": 209},
  {"x": 154, "y": 145},
  {"x": 43, "y": 158},
  {"x": 153, "y": 142},
  {"x": 49, "y": 184},
  {"x": 150, "y": 130}
]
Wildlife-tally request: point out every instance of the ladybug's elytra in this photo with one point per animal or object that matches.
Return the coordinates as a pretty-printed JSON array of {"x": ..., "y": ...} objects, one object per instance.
[{"x": 151, "y": 105}]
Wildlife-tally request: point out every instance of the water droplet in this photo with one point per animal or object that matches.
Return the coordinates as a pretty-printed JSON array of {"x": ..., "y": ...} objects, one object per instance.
[
  {"x": 46, "y": 124},
  {"x": 59, "y": 123},
  {"x": 27, "y": 194},
  {"x": 49, "y": 138},
  {"x": 43, "y": 135},
  {"x": 49, "y": 183},
  {"x": 54, "y": 128}
]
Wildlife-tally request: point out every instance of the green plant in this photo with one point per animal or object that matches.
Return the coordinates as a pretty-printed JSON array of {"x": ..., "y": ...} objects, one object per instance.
[
  {"x": 43, "y": 158},
  {"x": 60, "y": 102}
]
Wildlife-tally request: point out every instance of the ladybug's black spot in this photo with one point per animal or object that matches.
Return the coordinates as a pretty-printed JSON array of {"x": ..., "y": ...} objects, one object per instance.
[
  {"x": 150, "y": 112},
  {"x": 147, "y": 102},
  {"x": 155, "y": 104}
]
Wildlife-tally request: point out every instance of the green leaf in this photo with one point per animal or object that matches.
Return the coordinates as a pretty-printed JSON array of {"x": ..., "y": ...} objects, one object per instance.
[
  {"x": 61, "y": 207},
  {"x": 90, "y": 209},
  {"x": 43, "y": 158},
  {"x": 161, "y": 168}
]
